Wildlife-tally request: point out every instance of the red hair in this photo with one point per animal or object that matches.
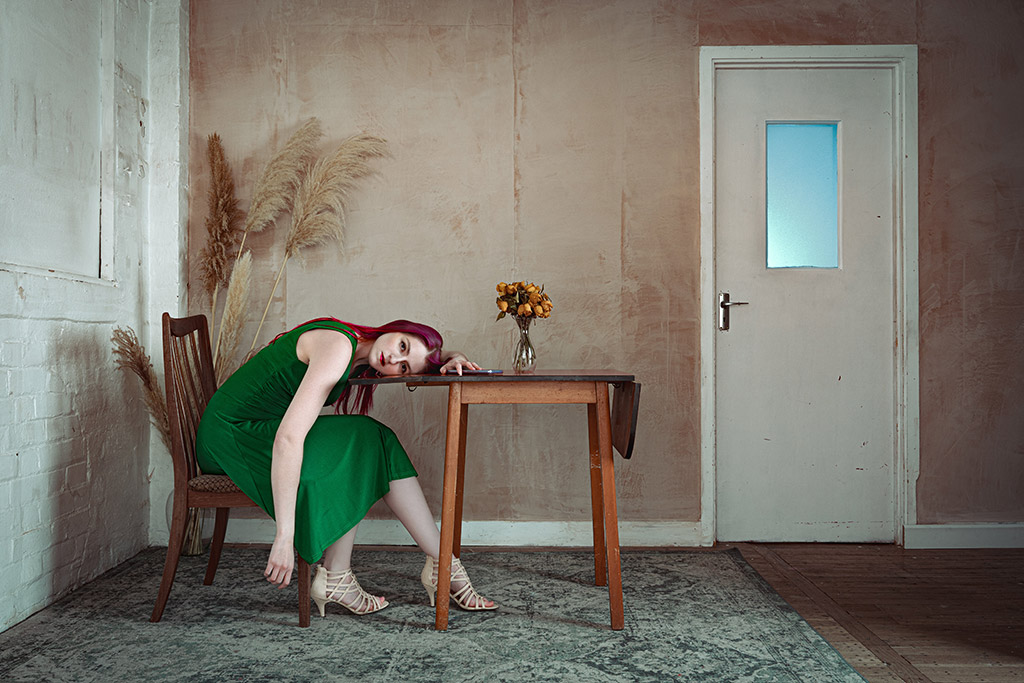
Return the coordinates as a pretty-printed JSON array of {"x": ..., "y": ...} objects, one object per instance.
[{"x": 363, "y": 396}]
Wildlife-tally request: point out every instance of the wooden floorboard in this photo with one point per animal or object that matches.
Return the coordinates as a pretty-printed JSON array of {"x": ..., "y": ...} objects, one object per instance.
[{"x": 906, "y": 615}]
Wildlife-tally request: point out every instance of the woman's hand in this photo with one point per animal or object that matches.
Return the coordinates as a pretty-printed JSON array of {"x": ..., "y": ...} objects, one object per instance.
[
  {"x": 456, "y": 362},
  {"x": 281, "y": 562}
]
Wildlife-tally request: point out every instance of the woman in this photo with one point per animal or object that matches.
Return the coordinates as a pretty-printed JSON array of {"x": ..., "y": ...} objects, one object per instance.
[{"x": 317, "y": 475}]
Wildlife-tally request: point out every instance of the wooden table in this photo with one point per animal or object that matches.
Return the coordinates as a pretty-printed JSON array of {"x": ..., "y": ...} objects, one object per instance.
[{"x": 589, "y": 387}]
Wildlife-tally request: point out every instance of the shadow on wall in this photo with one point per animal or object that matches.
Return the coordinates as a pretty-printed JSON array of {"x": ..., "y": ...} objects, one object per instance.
[{"x": 95, "y": 459}]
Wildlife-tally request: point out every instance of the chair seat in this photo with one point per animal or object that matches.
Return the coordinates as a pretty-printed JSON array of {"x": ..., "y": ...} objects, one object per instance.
[{"x": 213, "y": 483}]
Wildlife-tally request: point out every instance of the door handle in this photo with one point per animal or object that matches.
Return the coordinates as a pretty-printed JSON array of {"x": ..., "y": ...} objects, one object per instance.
[{"x": 723, "y": 309}]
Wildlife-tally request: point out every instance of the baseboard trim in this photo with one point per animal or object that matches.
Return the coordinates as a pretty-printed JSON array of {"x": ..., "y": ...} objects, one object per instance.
[
  {"x": 921, "y": 536},
  {"x": 496, "y": 533}
]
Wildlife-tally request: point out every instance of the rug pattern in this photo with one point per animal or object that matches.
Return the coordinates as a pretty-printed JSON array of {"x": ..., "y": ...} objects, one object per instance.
[{"x": 689, "y": 616}]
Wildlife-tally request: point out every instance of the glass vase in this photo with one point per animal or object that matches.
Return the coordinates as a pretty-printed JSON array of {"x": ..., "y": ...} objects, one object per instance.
[{"x": 524, "y": 360}]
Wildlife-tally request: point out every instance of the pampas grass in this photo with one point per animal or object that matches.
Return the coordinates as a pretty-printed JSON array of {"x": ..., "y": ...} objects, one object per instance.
[
  {"x": 272, "y": 194},
  {"x": 281, "y": 178},
  {"x": 318, "y": 213},
  {"x": 193, "y": 541},
  {"x": 131, "y": 357},
  {"x": 234, "y": 311},
  {"x": 222, "y": 231},
  {"x": 222, "y": 224}
]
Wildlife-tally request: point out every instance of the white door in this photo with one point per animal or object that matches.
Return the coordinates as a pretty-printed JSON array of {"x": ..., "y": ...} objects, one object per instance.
[{"x": 805, "y": 376}]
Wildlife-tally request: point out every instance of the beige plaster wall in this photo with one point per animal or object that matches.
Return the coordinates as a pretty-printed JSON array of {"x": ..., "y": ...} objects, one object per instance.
[
  {"x": 972, "y": 222},
  {"x": 557, "y": 141}
]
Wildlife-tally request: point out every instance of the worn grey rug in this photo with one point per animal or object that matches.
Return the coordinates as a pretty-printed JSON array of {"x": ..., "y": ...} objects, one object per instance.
[{"x": 690, "y": 616}]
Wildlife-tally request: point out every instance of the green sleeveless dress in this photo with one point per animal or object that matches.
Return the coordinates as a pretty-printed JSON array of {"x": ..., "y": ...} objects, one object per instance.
[{"x": 348, "y": 461}]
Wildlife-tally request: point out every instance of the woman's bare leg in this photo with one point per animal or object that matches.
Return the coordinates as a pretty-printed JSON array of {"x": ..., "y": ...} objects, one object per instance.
[
  {"x": 407, "y": 502},
  {"x": 338, "y": 561},
  {"x": 338, "y": 556}
]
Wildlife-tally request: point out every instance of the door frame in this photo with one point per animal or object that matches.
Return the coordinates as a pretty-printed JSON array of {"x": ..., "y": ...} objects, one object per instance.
[{"x": 901, "y": 60}]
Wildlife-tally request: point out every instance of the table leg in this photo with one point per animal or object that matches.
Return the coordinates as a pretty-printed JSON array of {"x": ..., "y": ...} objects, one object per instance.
[
  {"x": 596, "y": 498},
  {"x": 448, "y": 498},
  {"x": 459, "y": 482},
  {"x": 611, "y": 522}
]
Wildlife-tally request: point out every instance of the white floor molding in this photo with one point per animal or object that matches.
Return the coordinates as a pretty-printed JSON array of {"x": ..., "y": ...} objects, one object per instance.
[
  {"x": 639, "y": 534},
  {"x": 564, "y": 534}
]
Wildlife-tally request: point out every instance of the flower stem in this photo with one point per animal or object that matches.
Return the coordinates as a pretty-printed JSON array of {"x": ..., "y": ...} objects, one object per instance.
[
  {"x": 269, "y": 299},
  {"x": 214, "y": 333}
]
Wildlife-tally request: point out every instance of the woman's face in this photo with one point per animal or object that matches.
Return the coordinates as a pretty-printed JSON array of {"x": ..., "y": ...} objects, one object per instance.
[{"x": 399, "y": 353}]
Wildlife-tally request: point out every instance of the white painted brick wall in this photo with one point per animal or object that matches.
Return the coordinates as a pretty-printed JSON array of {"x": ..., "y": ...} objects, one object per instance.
[
  {"x": 73, "y": 470},
  {"x": 74, "y": 435}
]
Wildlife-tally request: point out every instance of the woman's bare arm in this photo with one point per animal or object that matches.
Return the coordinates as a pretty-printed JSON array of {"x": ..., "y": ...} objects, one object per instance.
[{"x": 327, "y": 353}]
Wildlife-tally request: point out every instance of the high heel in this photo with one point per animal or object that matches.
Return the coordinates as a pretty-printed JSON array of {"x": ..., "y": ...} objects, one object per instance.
[
  {"x": 462, "y": 591},
  {"x": 337, "y": 586}
]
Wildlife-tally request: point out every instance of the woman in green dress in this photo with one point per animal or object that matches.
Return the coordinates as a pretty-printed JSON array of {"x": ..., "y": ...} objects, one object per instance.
[{"x": 317, "y": 475}]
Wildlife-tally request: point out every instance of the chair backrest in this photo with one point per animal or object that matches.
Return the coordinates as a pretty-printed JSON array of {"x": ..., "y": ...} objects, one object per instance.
[{"x": 189, "y": 377}]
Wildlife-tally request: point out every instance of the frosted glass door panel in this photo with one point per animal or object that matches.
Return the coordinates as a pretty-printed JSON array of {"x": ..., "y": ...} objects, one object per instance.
[{"x": 802, "y": 195}]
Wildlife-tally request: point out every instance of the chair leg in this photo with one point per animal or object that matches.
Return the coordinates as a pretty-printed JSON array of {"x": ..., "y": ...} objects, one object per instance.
[
  {"x": 304, "y": 579},
  {"x": 174, "y": 543},
  {"x": 219, "y": 528}
]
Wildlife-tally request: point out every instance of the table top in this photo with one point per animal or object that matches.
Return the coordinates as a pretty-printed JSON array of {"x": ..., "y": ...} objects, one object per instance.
[{"x": 613, "y": 376}]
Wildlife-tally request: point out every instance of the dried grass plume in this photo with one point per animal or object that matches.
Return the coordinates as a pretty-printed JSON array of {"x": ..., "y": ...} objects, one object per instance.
[
  {"x": 282, "y": 176},
  {"x": 131, "y": 357},
  {"x": 222, "y": 223},
  {"x": 318, "y": 212},
  {"x": 234, "y": 314}
]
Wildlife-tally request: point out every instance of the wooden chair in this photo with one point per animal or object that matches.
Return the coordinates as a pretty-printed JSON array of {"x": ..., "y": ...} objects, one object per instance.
[{"x": 189, "y": 376}]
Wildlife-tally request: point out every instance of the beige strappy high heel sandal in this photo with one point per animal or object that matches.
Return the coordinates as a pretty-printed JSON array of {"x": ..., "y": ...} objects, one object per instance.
[
  {"x": 462, "y": 590},
  {"x": 336, "y": 587}
]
